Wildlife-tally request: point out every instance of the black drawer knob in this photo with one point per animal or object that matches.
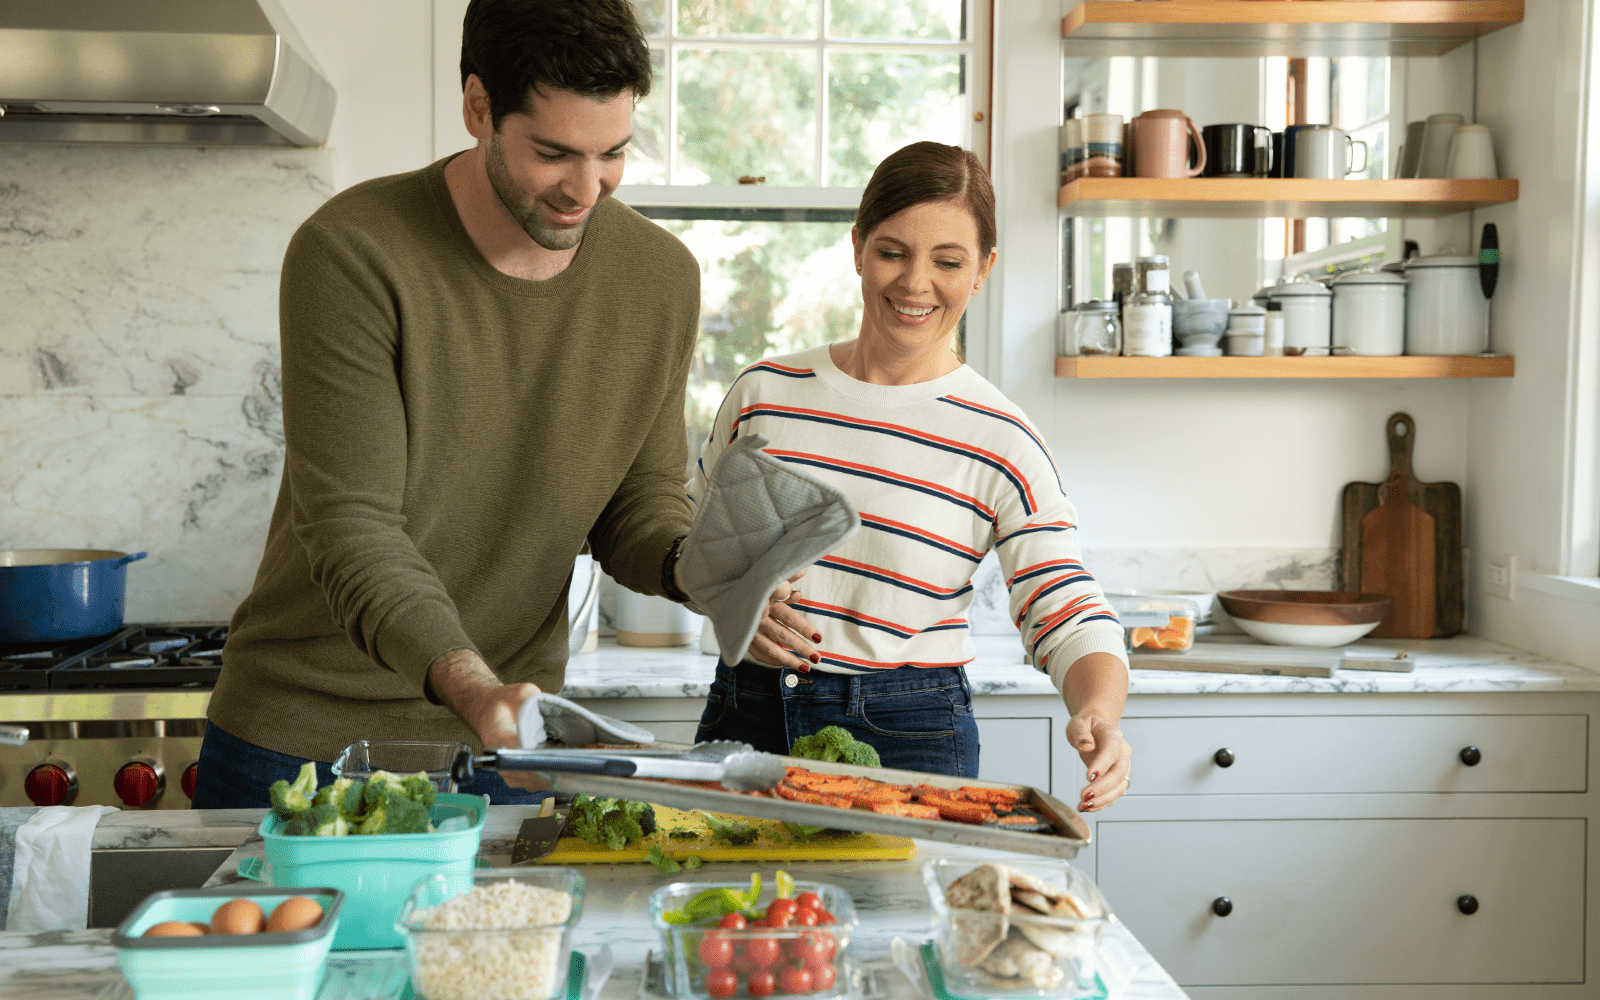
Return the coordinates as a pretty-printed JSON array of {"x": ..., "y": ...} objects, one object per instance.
[
  {"x": 1470, "y": 756},
  {"x": 1467, "y": 904},
  {"x": 1222, "y": 905},
  {"x": 1223, "y": 757}
]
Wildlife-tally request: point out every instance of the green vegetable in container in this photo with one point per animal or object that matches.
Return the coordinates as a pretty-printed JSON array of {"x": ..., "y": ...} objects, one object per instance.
[
  {"x": 289, "y": 800},
  {"x": 386, "y": 804},
  {"x": 834, "y": 743}
]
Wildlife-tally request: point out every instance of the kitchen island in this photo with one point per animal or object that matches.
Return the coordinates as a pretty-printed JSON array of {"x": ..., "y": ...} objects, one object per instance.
[{"x": 889, "y": 897}]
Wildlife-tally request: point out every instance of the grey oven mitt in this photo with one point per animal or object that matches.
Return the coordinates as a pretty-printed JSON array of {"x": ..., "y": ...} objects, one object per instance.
[
  {"x": 759, "y": 522},
  {"x": 548, "y": 718}
]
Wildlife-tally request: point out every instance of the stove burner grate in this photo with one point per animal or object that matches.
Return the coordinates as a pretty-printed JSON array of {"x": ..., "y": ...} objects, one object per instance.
[
  {"x": 27, "y": 666},
  {"x": 146, "y": 656}
]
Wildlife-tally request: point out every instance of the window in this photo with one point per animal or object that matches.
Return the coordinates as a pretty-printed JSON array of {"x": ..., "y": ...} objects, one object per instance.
[{"x": 765, "y": 121}]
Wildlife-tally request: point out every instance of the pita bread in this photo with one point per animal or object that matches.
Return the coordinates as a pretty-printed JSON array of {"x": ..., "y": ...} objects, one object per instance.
[
  {"x": 981, "y": 901},
  {"x": 1058, "y": 941},
  {"x": 1032, "y": 901},
  {"x": 1017, "y": 958}
]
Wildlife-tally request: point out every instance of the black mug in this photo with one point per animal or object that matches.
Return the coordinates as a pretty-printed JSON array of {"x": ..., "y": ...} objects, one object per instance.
[{"x": 1238, "y": 150}]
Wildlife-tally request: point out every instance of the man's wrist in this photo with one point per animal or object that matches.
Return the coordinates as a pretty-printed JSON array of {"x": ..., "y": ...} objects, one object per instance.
[{"x": 669, "y": 572}]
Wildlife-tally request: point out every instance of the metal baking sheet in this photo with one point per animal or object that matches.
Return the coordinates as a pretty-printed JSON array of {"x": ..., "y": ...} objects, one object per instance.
[{"x": 1070, "y": 832}]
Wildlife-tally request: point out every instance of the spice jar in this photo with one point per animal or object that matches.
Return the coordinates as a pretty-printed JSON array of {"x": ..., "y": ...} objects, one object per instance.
[
  {"x": 1147, "y": 326},
  {"x": 1096, "y": 330},
  {"x": 1122, "y": 282},
  {"x": 1152, "y": 275}
]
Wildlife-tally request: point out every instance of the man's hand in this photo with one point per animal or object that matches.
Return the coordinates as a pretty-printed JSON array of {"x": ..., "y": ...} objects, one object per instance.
[{"x": 466, "y": 684}]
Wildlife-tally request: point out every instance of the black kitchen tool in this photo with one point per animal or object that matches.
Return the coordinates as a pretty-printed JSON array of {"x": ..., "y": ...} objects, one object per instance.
[{"x": 1488, "y": 274}]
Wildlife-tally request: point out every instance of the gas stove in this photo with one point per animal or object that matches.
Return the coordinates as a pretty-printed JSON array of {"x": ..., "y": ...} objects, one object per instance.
[{"x": 112, "y": 720}]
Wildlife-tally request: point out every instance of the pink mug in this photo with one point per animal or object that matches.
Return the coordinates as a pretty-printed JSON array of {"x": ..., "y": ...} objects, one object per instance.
[{"x": 1164, "y": 139}]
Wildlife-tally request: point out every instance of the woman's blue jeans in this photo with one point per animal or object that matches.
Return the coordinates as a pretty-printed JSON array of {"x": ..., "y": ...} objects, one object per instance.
[
  {"x": 234, "y": 774},
  {"x": 917, "y": 718}
]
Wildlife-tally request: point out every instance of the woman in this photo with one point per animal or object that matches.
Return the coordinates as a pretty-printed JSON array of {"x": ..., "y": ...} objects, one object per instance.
[{"x": 941, "y": 468}]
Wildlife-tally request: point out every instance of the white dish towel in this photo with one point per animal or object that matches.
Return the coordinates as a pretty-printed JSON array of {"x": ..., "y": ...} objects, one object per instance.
[{"x": 50, "y": 876}]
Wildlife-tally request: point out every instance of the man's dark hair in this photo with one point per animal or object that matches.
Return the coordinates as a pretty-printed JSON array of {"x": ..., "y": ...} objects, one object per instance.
[{"x": 591, "y": 47}]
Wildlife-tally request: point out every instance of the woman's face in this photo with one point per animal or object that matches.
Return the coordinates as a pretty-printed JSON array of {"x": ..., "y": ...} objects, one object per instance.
[{"x": 918, "y": 269}]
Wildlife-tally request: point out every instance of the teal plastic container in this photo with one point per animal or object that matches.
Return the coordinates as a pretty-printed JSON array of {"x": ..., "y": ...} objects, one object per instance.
[
  {"x": 225, "y": 966},
  {"x": 376, "y": 872}
]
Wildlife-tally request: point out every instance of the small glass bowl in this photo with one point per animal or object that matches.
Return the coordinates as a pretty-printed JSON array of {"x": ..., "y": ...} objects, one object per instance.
[
  {"x": 680, "y": 943},
  {"x": 503, "y": 959},
  {"x": 402, "y": 757},
  {"x": 1074, "y": 941}
]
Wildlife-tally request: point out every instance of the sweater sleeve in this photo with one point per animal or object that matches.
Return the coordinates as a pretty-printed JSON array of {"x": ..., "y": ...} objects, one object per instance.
[
  {"x": 650, "y": 509},
  {"x": 1055, "y": 602},
  {"x": 345, "y": 429},
  {"x": 718, "y": 438}
]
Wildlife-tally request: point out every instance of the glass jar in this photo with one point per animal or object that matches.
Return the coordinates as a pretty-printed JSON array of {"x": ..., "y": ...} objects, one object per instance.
[
  {"x": 1096, "y": 331},
  {"x": 1122, "y": 282},
  {"x": 1152, "y": 275},
  {"x": 1147, "y": 326}
]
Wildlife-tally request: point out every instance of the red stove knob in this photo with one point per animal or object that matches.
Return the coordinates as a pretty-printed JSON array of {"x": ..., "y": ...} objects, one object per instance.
[
  {"x": 139, "y": 783},
  {"x": 191, "y": 774},
  {"x": 52, "y": 783}
]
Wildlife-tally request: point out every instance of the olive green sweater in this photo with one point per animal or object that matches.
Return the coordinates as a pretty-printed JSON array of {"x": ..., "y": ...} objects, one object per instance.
[{"x": 453, "y": 435}]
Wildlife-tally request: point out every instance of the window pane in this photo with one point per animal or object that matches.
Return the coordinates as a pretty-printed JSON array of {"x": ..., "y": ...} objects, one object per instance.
[
  {"x": 653, "y": 15},
  {"x": 766, "y": 288},
  {"x": 746, "y": 112},
  {"x": 748, "y": 18},
  {"x": 898, "y": 20},
  {"x": 878, "y": 102},
  {"x": 647, "y": 153},
  {"x": 1362, "y": 89}
]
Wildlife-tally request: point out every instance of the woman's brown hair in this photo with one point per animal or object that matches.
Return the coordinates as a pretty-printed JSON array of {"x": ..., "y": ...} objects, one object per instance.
[{"x": 929, "y": 171}]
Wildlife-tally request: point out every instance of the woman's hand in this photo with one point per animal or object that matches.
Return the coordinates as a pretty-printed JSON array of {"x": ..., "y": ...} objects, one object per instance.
[
  {"x": 1107, "y": 756},
  {"x": 781, "y": 638}
]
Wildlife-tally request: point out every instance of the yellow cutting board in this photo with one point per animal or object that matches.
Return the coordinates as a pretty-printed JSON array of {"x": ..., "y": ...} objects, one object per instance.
[{"x": 772, "y": 843}]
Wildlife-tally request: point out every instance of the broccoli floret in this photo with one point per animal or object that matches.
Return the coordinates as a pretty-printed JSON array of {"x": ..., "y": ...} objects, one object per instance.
[
  {"x": 832, "y": 743},
  {"x": 420, "y": 788},
  {"x": 298, "y": 825},
  {"x": 346, "y": 796},
  {"x": 380, "y": 782},
  {"x": 394, "y": 813},
  {"x": 325, "y": 821},
  {"x": 290, "y": 800},
  {"x": 612, "y": 822}
]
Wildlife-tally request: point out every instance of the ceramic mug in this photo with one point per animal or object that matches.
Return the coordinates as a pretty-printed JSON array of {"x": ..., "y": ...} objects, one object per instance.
[
  {"x": 1165, "y": 139},
  {"x": 1238, "y": 150},
  {"x": 1286, "y": 159},
  {"x": 1433, "y": 160},
  {"x": 1326, "y": 152},
  {"x": 1102, "y": 146},
  {"x": 1472, "y": 153}
]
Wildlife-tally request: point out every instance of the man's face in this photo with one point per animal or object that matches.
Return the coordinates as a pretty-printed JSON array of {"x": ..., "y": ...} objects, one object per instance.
[{"x": 552, "y": 165}]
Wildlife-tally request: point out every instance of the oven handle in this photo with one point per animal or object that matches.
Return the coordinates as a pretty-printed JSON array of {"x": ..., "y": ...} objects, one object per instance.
[{"x": 15, "y": 736}]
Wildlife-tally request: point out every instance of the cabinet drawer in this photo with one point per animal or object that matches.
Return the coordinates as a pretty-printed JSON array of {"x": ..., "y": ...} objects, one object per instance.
[
  {"x": 1352, "y": 901},
  {"x": 1355, "y": 754},
  {"x": 1015, "y": 751}
]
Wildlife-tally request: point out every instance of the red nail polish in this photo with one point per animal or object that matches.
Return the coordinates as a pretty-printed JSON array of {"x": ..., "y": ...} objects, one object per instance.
[
  {"x": 1088, "y": 797},
  {"x": 816, "y": 637},
  {"x": 816, "y": 658},
  {"x": 1093, "y": 775}
]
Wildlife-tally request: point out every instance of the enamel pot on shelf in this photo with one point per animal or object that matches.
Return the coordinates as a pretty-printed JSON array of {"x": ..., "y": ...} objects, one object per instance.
[
  {"x": 1446, "y": 313},
  {"x": 1307, "y": 315},
  {"x": 1369, "y": 313}
]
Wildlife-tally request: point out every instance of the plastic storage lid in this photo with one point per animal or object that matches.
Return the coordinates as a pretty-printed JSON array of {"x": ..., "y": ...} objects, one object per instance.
[{"x": 1369, "y": 278}]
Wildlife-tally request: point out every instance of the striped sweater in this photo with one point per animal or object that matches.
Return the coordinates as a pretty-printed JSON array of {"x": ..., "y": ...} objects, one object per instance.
[{"x": 940, "y": 472}]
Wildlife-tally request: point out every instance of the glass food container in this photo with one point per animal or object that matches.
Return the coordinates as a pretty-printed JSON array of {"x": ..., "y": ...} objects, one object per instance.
[
  {"x": 402, "y": 757},
  {"x": 696, "y": 951},
  {"x": 1095, "y": 330},
  {"x": 1177, "y": 635},
  {"x": 1153, "y": 275},
  {"x": 492, "y": 934},
  {"x": 1038, "y": 954},
  {"x": 1147, "y": 326}
]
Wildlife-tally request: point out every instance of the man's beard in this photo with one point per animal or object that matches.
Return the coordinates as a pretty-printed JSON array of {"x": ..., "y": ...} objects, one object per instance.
[{"x": 527, "y": 217}]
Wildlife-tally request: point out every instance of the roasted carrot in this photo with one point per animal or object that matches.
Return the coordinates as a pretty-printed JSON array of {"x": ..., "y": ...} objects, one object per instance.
[
  {"x": 993, "y": 796},
  {"x": 911, "y": 809},
  {"x": 789, "y": 791}
]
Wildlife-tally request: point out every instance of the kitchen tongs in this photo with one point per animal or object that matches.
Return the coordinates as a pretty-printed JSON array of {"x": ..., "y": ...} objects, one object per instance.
[{"x": 735, "y": 765}]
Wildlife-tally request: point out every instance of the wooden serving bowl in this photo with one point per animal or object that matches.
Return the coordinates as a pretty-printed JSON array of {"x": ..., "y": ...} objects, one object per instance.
[{"x": 1306, "y": 607}]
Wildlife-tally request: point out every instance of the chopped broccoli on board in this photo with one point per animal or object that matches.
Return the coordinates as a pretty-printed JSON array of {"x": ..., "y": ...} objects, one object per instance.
[
  {"x": 834, "y": 743},
  {"x": 736, "y": 832},
  {"x": 292, "y": 799},
  {"x": 661, "y": 861},
  {"x": 608, "y": 821}
]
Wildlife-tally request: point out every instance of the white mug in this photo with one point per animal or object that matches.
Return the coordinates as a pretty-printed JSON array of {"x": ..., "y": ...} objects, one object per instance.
[
  {"x": 1326, "y": 152},
  {"x": 1434, "y": 159},
  {"x": 1472, "y": 153}
]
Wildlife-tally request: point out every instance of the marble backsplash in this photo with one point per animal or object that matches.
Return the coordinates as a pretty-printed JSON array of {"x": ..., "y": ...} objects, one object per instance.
[{"x": 139, "y": 379}]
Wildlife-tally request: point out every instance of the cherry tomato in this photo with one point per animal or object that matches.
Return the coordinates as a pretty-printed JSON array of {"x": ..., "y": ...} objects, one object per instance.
[
  {"x": 741, "y": 964},
  {"x": 733, "y": 922},
  {"x": 806, "y": 918},
  {"x": 825, "y": 948},
  {"x": 813, "y": 948},
  {"x": 785, "y": 918},
  {"x": 796, "y": 979},
  {"x": 808, "y": 901},
  {"x": 762, "y": 983},
  {"x": 761, "y": 953},
  {"x": 716, "y": 951},
  {"x": 781, "y": 906},
  {"x": 822, "y": 976},
  {"x": 722, "y": 983},
  {"x": 824, "y": 917}
]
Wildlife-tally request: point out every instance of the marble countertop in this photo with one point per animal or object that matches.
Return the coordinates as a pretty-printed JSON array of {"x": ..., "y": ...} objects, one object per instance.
[
  {"x": 1462, "y": 664},
  {"x": 889, "y": 896}
]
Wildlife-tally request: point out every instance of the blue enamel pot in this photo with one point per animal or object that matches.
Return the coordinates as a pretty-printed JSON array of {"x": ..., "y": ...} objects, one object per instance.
[{"x": 54, "y": 594}]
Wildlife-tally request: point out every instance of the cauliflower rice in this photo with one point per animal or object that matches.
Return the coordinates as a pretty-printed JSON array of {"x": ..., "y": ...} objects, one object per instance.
[{"x": 518, "y": 960}]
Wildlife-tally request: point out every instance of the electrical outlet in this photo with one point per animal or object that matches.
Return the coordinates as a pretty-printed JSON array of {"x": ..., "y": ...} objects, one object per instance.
[{"x": 1500, "y": 575}]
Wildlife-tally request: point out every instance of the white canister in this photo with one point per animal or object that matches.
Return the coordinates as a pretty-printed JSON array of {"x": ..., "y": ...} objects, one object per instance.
[
  {"x": 643, "y": 620},
  {"x": 1307, "y": 309},
  {"x": 1446, "y": 312},
  {"x": 1247, "y": 319},
  {"x": 1369, "y": 313},
  {"x": 1272, "y": 337},
  {"x": 1147, "y": 326}
]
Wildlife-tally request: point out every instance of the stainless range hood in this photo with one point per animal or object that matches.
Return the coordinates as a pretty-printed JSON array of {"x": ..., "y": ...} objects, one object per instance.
[{"x": 158, "y": 72}]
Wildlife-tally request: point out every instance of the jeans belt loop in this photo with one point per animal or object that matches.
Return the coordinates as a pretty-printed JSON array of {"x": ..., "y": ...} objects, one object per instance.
[{"x": 857, "y": 706}]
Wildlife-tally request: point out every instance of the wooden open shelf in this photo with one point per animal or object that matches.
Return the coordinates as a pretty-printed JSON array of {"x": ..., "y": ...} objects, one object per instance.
[
  {"x": 1274, "y": 197},
  {"x": 1281, "y": 27},
  {"x": 1342, "y": 366}
]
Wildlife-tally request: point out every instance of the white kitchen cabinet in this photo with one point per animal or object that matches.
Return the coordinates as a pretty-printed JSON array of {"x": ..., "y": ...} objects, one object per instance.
[{"x": 1016, "y": 750}]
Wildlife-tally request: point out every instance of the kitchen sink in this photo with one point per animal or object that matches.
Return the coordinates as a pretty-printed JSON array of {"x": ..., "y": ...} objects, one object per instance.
[{"x": 119, "y": 880}]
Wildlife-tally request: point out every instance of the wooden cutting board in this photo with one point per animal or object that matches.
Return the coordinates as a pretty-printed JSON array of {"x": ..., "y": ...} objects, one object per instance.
[
  {"x": 1439, "y": 501},
  {"x": 772, "y": 843}
]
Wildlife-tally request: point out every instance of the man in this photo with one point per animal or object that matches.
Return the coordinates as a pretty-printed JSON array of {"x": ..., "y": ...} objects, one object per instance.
[{"x": 484, "y": 365}]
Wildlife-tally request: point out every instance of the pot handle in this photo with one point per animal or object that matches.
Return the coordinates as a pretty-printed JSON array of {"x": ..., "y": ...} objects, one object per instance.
[{"x": 131, "y": 557}]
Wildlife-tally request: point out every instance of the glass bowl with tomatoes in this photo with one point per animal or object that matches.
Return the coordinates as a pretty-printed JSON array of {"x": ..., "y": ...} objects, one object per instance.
[{"x": 725, "y": 939}]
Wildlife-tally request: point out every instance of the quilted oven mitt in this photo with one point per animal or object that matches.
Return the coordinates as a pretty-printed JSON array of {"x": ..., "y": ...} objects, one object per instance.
[
  {"x": 548, "y": 718},
  {"x": 759, "y": 522}
]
